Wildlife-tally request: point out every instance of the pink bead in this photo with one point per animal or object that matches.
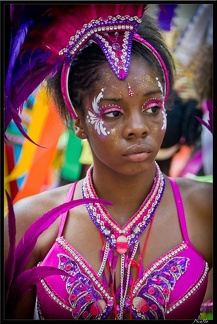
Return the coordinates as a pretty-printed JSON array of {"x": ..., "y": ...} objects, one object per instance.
[
  {"x": 151, "y": 290},
  {"x": 88, "y": 298},
  {"x": 118, "y": 54},
  {"x": 166, "y": 291},
  {"x": 173, "y": 268},
  {"x": 73, "y": 297},
  {"x": 68, "y": 267},
  {"x": 154, "y": 307}
]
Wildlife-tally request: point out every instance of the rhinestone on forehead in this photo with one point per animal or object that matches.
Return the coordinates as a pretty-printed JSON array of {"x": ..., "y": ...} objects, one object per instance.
[{"x": 117, "y": 51}]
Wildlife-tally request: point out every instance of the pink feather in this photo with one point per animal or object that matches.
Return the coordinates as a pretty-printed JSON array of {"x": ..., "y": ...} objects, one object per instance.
[
  {"x": 207, "y": 106},
  {"x": 10, "y": 262},
  {"x": 29, "y": 278},
  {"x": 39, "y": 33},
  {"x": 17, "y": 258}
]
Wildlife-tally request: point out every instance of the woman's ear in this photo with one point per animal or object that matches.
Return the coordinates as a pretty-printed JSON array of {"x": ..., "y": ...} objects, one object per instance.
[{"x": 79, "y": 128}]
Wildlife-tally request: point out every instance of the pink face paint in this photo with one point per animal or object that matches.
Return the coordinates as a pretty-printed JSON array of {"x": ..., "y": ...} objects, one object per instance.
[
  {"x": 153, "y": 103},
  {"x": 95, "y": 117}
]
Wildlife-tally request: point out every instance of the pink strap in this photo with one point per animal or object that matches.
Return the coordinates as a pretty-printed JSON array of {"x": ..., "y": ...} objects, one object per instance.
[
  {"x": 180, "y": 209},
  {"x": 69, "y": 196}
]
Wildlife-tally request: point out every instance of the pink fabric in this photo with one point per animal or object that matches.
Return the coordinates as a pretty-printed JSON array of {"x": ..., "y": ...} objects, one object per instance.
[
  {"x": 69, "y": 196},
  {"x": 180, "y": 209},
  {"x": 171, "y": 288}
]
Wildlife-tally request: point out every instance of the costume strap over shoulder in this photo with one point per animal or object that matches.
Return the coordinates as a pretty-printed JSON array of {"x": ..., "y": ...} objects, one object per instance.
[
  {"x": 69, "y": 197},
  {"x": 180, "y": 209}
]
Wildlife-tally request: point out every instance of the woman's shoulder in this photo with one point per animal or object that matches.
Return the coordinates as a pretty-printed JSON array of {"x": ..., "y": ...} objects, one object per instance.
[
  {"x": 197, "y": 197},
  {"x": 31, "y": 208},
  {"x": 200, "y": 192},
  {"x": 38, "y": 204}
]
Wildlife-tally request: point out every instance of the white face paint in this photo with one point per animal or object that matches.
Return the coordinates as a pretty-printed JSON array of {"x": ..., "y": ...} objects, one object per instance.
[
  {"x": 160, "y": 86},
  {"x": 164, "y": 119},
  {"x": 163, "y": 110},
  {"x": 95, "y": 117}
]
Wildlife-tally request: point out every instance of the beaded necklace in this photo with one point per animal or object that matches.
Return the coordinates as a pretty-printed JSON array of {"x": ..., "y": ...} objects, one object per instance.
[{"x": 125, "y": 240}]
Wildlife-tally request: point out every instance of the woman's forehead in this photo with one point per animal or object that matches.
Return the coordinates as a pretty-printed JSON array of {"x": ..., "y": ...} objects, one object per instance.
[{"x": 141, "y": 75}]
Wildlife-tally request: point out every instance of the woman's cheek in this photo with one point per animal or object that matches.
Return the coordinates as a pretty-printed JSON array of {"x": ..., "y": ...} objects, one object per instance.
[
  {"x": 158, "y": 128},
  {"x": 113, "y": 132}
]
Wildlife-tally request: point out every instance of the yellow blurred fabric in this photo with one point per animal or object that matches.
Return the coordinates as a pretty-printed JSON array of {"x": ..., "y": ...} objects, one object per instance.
[{"x": 86, "y": 154}]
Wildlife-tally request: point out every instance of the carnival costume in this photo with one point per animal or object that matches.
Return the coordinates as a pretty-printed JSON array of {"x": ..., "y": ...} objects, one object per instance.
[
  {"x": 172, "y": 287},
  {"x": 67, "y": 287}
]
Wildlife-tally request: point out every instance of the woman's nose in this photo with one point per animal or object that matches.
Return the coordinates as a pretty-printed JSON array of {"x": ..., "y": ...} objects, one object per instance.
[{"x": 135, "y": 125}]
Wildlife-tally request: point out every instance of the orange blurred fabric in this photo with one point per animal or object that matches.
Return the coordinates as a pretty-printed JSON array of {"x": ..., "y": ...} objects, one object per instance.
[
  {"x": 179, "y": 160},
  {"x": 38, "y": 175}
]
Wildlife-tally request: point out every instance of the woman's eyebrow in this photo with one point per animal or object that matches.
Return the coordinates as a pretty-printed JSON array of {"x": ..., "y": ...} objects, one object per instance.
[
  {"x": 152, "y": 92},
  {"x": 111, "y": 99},
  {"x": 146, "y": 94}
]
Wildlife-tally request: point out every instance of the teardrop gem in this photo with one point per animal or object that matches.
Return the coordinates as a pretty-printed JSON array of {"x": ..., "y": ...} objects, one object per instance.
[
  {"x": 121, "y": 74},
  {"x": 122, "y": 244}
]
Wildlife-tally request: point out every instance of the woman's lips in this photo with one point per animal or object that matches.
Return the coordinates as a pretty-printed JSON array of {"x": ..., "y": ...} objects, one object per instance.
[
  {"x": 137, "y": 157},
  {"x": 137, "y": 153}
]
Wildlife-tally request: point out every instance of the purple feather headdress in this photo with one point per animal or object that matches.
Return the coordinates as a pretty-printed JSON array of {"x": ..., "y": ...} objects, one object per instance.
[
  {"x": 46, "y": 39},
  {"x": 27, "y": 67},
  {"x": 38, "y": 34}
]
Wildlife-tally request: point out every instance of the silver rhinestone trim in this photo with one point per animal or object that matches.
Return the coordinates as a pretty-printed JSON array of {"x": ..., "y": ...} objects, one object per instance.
[
  {"x": 54, "y": 297},
  {"x": 190, "y": 292},
  {"x": 168, "y": 256},
  {"x": 65, "y": 246},
  {"x": 91, "y": 28}
]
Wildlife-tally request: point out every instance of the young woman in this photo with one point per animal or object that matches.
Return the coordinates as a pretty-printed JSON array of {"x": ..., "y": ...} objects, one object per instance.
[{"x": 125, "y": 242}]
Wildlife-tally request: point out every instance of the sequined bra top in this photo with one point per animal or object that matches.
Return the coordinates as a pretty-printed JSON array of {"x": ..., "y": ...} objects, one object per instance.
[{"x": 172, "y": 287}]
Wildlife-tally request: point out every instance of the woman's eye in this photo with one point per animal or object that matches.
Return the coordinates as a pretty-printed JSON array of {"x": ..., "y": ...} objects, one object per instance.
[
  {"x": 115, "y": 113},
  {"x": 152, "y": 106},
  {"x": 152, "y": 110},
  {"x": 111, "y": 111}
]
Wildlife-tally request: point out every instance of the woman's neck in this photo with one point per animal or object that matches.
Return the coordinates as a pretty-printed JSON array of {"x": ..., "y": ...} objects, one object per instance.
[{"x": 127, "y": 193}]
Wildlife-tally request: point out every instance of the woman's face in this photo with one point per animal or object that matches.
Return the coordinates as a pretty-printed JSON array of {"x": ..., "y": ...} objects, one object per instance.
[{"x": 125, "y": 119}]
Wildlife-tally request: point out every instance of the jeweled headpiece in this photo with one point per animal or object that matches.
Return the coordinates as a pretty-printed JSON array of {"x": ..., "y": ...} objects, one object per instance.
[{"x": 51, "y": 38}]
